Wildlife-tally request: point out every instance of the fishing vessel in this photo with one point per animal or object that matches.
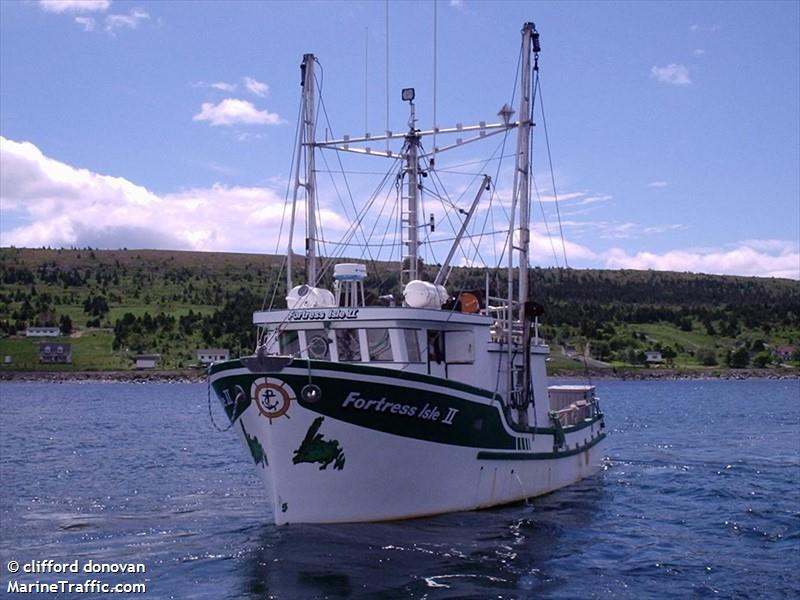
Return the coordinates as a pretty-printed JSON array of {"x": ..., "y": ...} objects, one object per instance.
[{"x": 362, "y": 408}]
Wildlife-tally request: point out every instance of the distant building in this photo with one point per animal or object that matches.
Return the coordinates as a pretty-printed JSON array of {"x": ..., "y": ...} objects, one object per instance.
[
  {"x": 42, "y": 332},
  {"x": 206, "y": 356},
  {"x": 569, "y": 350},
  {"x": 784, "y": 352},
  {"x": 51, "y": 353},
  {"x": 147, "y": 361},
  {"x": 8, "y": 360},
  {"x": 653, "y": 357}
]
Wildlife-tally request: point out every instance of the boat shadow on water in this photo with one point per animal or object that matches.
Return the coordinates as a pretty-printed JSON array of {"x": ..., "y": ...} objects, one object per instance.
[{"x": 509, "y": 550}]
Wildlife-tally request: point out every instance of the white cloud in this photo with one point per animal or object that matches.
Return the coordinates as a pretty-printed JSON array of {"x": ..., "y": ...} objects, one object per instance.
[
  {"x": 566, "y": 197},
  {"x": 232, "y": 112},
  {"x": 614, "y": 231},
  {"x": 132, "y": 20},
  {"x": 256, "y": 87},
  {"x": 543, "y": 247},
  {"x": 773, "y": 259},
  {"x": 457, "y": 4},
  {"x": 113, "y": 22},
  {"x": 61, "y": 6},
  {"x": 618, "y": 231},
  {"x": 61, "y": 205},
  {"x": 672, "y": 74},
  {"x": 68, "y": 206},
  {"x": 694, "y": 27},
  {"x": 246, "y": 136},
  {"x": 774, "y": 246},
  {"x": 574, "y": 198},
  {"x": 657, "y": 184},
  {"x": 221, "y": 85},
  {"x": 698, "y": 52},
  {"x": 86, "y": 22},
  {"x": 593, "y": 200}
]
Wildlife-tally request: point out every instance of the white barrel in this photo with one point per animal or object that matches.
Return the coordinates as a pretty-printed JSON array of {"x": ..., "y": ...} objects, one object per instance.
[
  {"x": 305, "y": 296},
  {"x": 424, "y": 294},
  {"x": 350, "y": 272}
]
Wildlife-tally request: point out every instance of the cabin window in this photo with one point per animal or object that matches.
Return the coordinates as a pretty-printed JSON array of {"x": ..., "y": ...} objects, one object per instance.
[
  {"x": 412, "y": 345},
  {"x": 317, "y": 344},
  {"x": 347, "y": 345},
  {"x": 289, "y": 343},
  {"x": 459, "y": 347},
  {"x": 436, "y": 346},
  {"x": 380, "y": 346}
]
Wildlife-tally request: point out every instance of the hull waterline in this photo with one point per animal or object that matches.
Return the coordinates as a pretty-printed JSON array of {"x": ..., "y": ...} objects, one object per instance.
[{"x": 374, "y": 446}]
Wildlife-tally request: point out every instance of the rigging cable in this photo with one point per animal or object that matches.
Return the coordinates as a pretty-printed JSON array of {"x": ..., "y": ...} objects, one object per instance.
[
  {"x": 552, "y": 173},
  {"x": 339, "y": 160},
  {"x": 544, "y": 220},
  {"x": 354, "y": 226},
  {"x": 283, "y": 215}
]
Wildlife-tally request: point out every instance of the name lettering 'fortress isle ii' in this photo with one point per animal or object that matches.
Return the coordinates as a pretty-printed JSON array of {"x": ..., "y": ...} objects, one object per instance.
[
  {"x": 334, "y": 314},
  {"x": 426, "y": 413}
]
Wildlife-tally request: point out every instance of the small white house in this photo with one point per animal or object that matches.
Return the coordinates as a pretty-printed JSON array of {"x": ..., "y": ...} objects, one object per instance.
[
  {"x": 784, "y": 353},
  {"x": 653, "y": 357},
  {"x": 206, "y": 356},
  {"x": 42, "y": 332},
  {"x": 53, "y": 353},
  {"x": 147, "y": 361}
]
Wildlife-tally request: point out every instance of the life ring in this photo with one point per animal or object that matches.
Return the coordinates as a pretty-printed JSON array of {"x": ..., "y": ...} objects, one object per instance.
[{"x": 272, "y": 397}]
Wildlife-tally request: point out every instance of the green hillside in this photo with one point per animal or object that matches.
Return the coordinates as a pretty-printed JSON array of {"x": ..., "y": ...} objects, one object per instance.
[{"x": 114, "y": 304}]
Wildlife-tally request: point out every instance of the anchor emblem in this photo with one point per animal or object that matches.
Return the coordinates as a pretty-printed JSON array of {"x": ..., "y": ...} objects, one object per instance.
[{"x": 273, "y": 397}]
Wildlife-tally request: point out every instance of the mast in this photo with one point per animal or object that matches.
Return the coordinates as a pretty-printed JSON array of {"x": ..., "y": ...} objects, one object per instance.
[
  {"x": 409, "y": 216},
  {"x": 306, "y": 135},
  {"x": 530, "y": 45},
  {"x": 309, "y": 131},
  {"x": 519, "y": 377}
]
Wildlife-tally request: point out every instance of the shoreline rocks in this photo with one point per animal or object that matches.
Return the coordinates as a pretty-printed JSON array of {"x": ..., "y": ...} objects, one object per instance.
[
  {"x": 183, "y": 376},
  {"x": 199, "y": 375}
]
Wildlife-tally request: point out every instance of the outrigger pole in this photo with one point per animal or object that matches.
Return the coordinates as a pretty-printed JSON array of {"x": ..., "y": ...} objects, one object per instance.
[
  {"x": 519, "y": 391},
  {"x": 306, "y": 141}
]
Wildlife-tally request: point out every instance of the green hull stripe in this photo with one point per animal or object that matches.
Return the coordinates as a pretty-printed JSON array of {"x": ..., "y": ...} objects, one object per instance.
[
  {"x": 488, "y": 455},
  {"x": 442, "y": 415},
  {"x": 569, "y": 428},
  {"x": 357, "y": 369}
]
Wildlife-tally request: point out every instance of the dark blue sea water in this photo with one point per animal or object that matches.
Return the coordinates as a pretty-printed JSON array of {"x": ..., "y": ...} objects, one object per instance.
[{"x": 700, "y": 499}]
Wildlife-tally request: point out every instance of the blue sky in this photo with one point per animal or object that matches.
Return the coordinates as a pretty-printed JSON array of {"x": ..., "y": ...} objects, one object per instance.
[{"x": 674, "y": 126}]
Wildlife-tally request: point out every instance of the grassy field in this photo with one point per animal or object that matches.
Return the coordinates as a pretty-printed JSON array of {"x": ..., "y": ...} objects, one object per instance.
[
  {"x": 91, "y": 351},
  {"x": 39, "y": 286}
]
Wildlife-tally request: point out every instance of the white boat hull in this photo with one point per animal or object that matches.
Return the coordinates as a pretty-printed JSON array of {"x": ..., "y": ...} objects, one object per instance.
[{"x": 344, "y": 459}]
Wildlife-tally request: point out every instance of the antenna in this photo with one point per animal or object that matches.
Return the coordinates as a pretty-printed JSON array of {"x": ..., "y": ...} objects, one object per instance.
[
  {"x": 435, "y": 22},
  {"x": 386, "y": 10},
  {"x": 366, "y": 79}
]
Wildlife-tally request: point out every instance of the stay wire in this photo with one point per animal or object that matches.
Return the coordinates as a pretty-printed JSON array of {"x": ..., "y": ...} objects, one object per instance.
[
  {"x": 341, "y": 168},
  {"x": 544, "y": 220},
  {"x": 552, "y": 172},
  {"x": 283, "y": 214}
]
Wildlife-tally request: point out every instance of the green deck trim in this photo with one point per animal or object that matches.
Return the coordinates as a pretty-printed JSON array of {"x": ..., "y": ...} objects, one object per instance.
[
  {"x": 359, "y": 369},
  {"x": 569, "y": 428},
  {"x": 491, "y": 455},
  {"x": 474, "y": 424}
]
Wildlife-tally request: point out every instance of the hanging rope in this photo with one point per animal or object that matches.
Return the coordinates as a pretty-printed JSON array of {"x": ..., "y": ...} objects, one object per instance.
[{"x": 210, "y": 413}]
